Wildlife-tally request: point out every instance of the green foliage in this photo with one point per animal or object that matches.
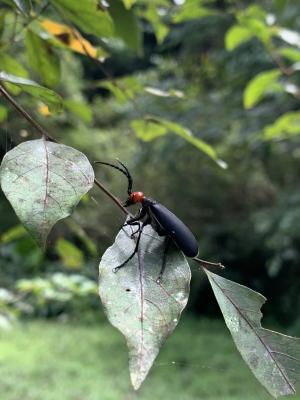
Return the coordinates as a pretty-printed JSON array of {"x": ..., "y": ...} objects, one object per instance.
[
  {"x": 70, "y": 255},
  {"x": 80, "y": 109},
  {"x": 262, "y": 84},
  {"x": 237, "y": 35},
  {"x": 286, "y": 126}
]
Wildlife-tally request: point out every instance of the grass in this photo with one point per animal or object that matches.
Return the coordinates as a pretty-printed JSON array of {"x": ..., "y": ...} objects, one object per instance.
[{"x": 74, "y": 361}]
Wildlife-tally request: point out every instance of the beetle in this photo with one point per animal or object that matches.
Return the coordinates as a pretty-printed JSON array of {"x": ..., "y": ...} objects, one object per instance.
[{"x": 162, "y": 220}]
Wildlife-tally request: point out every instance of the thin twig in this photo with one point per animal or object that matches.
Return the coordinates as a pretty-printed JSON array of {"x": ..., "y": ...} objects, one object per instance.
[{"x": 47, "y": 136}]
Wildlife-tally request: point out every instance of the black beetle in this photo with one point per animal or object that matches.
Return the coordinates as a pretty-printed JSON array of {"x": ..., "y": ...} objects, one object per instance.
[{"x": 162, "y": 220}]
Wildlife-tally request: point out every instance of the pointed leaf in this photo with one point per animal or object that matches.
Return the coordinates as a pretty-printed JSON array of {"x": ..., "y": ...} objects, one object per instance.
[
  {"x": 52, "y": 99},
  {"x": 237, "y": 35},
  {"x": 272, "y": 357},
  {"x": 44, "y": 181},
  {"x": 146, "y": 312},
  {"x": 260, "y": 85},
  {"x": 287, "y": 125}
]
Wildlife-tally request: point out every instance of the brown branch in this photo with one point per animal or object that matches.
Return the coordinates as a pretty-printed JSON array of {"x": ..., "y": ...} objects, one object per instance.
[{"x": 47, "y": 136}]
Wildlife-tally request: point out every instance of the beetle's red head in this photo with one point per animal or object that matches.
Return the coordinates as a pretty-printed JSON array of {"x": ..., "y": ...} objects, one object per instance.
[{"x": 134, "y": 197}]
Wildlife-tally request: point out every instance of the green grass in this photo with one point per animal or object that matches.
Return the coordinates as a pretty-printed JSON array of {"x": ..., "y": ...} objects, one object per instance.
[{"x": 74, "y": 361}]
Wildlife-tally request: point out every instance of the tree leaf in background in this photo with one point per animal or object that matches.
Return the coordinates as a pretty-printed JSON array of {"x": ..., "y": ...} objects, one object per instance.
[
  {"x": 290, "y": 53},
  {"x": 192, "y": 9},
  {"x": 88, "y": 15},
  {"x": 186, "y": 134},
  {"x": 147, "y": 130},
  {"x": 144, "y": 311},
  {"x": 42, "y": 59},
  {"x": 237, "y": 35},
  {"x": 288, "y": 36},
  {"x": 160, "y": 29},
  {"x": 80, "y": 109},
  {"x": 71, "y": 256},
  {"x": 164, "y": 93},
  {"x": 44, "y": 181},
  {"x": 14, "y": 233},
  {"x": 262, "y": 84},
  {"x": 52, "y": 99},
  {"x": 287, "y": 125},
  {"x": 129, "y": 3},
  {"x": 71, "y": 38},
  {"x": 273, "y": 358},
  {"x": 126, "y": 25}
]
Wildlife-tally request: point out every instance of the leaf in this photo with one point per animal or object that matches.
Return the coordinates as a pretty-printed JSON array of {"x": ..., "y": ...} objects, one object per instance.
[
  {"x": 237, "y": 35},
  {"x": 164, "y": 93},
  {"x": 160, "y": 29},
  {"x": 88, "y": 15},
  {"x": 12, "y": 234},
  {"x": 147, "y": 130},
  {"x": 290, "y": 53},
  {"x": 70, "y": 255},
  {"x": 23, "y": 6},
  {"x": 192, "y": 9},
  {"x": 287, "y": 125},
  {"x": 186, "y": 134},
  {"x": 72, "y": 39},
  {"x": 12, "y": 66},
  {"x": 129, "y": 3},
  {"x": 144, "y": 311},
  {"x": 260, "y": 85},
  {"x": 126, "y": 25},
  {"x": 80, "y": 109},
  {"x": 44, "y": 181},
  {"x": 273, "y": 358},
  {"x": 42, "y": 59},
  {"x": 52, "y": 99},
  {"x": 289, "y": 36}
]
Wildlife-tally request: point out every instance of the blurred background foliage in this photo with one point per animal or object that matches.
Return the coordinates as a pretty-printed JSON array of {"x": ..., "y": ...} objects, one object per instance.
[{"x": 200, "y": 99}]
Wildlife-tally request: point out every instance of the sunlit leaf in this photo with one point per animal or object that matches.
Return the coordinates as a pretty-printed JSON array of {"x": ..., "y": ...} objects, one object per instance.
[
  {"x": 146, "y": 312},
  {"x": 14, "y": 233},
  {"x": 126, "y": 25},
  {"x": 10, "y": 65},
  {"x": 290, "y": 53},
  {"x": 147, "y": 130},
  {"x": 129, "y": 3},
  {"x": 287, "y": 125},
  {"x": 88, "y": 15},
  {"x": 80, "y": 109},
  {"x": 273, "y": 358},
  {"x": 237, "y": 35},
  {"x": 52, "y": 99},
  {"x": 264, "y": 83},
  {"x": 161, "y": 30},
  {"x": 72, "y": 39},
  {"x": 71, "y": 256},
  {"x": 44, "y": 181}
]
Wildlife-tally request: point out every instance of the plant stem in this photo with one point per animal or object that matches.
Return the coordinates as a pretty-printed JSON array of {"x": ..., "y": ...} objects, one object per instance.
[{"x": 47, "y": 136}]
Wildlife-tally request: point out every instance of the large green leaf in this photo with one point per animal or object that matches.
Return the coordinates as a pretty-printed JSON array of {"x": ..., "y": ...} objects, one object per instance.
[
  {"x": 272, "y": 357},
  {"x": 126, "y": 25},
  {"x": 10, "y": 65},
  {"x": 262, "y": 84},
  {"x": 287, "y": 125},
  {"x": 146, "y": 312},
  {"x": 44, "y": 181},
  {"x": 192, "y": 9},
  {"x": 42, "y": 59},
  {"x": 52, "y": 99},
  {"x": 88, "y": 15},
  {"x": 147, "y": 130}
]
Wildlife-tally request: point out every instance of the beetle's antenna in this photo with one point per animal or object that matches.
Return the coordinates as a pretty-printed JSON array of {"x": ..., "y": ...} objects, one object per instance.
[{"x": 124, "y": 171}]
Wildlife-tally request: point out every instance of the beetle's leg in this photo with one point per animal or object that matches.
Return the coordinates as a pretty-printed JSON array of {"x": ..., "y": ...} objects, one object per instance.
[
  {"x": 167, "y": 244},
  {"x": 116, "y": 269}
]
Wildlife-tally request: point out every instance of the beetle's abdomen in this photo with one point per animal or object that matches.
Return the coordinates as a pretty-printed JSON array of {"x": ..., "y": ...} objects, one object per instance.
[{"x": 174, "y": 227}]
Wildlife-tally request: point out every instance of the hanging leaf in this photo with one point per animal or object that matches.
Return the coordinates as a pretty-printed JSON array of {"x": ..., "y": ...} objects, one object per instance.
[
  {"x": 44, "y": 181},
  {"x": 286, "y": 126},
  {"x": 144, "y": 311},
  {"x": 71, "y": 38},
  {"x": 147, "y": 130},
  {"x": 237, "y": 35},
  {"x": 272, "y": 357},
  {"x": 262, "y": 84},
  {"x": 126, "y": 25},
  {"x": 88, "y": 15},
  {"x": 42, "y": 59},
  {"x": 52, "y": 99}
]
